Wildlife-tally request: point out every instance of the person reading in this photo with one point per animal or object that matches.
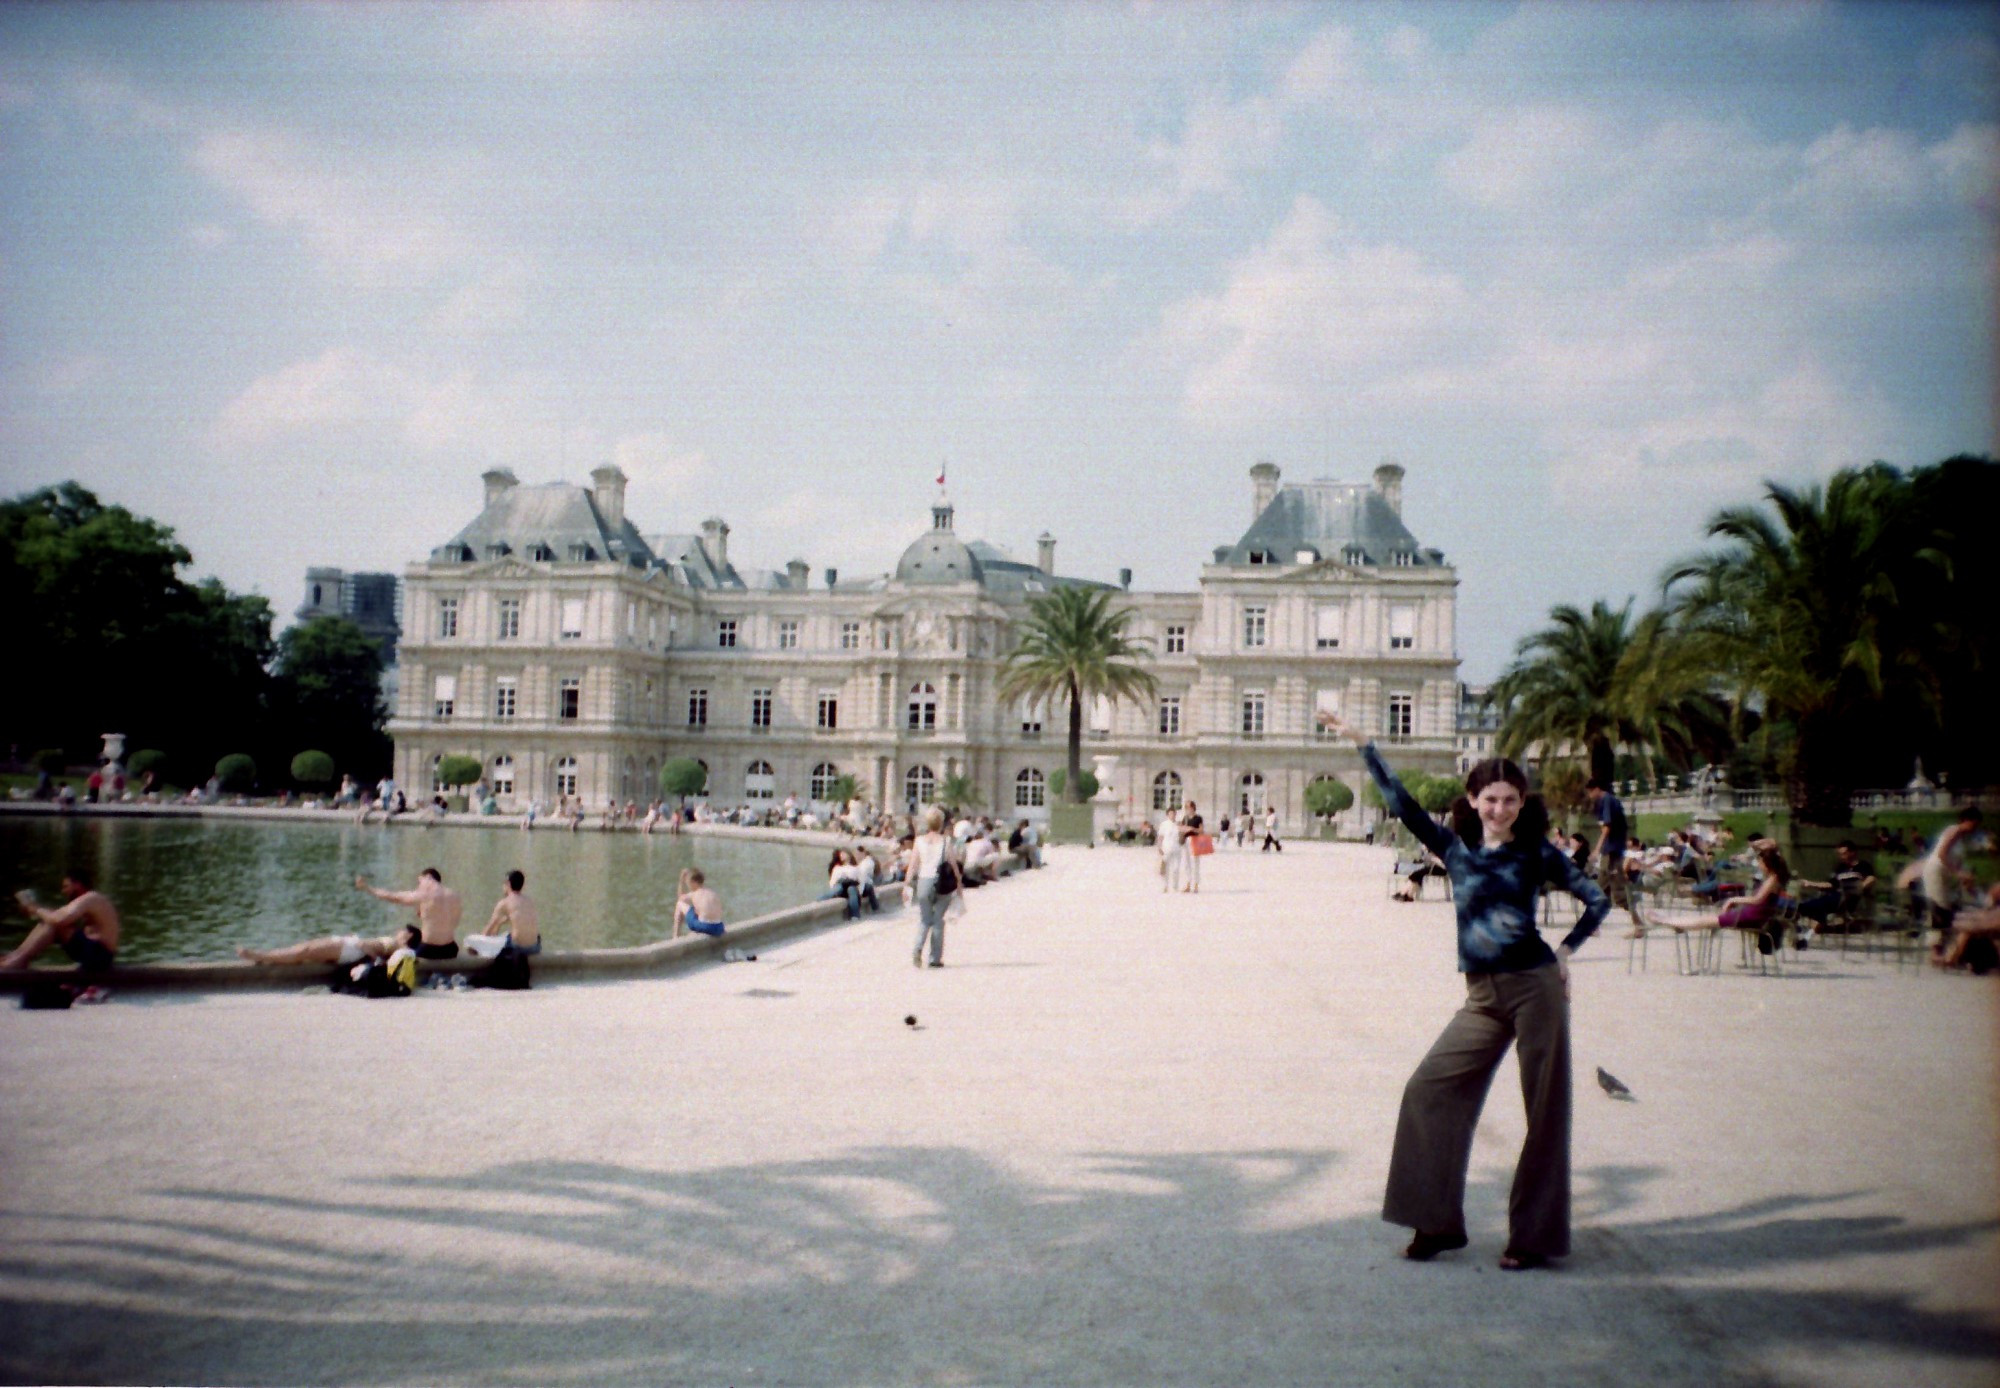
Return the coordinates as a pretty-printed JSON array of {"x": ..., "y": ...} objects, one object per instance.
[{"x": 85, "y": 927}]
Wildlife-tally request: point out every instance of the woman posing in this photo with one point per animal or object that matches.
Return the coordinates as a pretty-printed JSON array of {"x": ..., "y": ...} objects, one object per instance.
[{"x": 1517, "y": 992}]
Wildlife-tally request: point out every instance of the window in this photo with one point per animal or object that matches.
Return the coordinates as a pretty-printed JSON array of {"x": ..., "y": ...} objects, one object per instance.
[
  {"x": 506, "y": 697},
  {"x": 652, "y": 628},
  {"x": 922, "y": 709},
  {"x": 572, "y": 619},
  {"x": 820, "y": 787},
  {"x": 1100, "y": 718},
  {"x": 437, "y": 774},
  {"x": 1256, "y": 622},
  {"x": 829, "y": 711},
  {"x": 1402, "y": 559},
  {"x": 444, "y": 695},
  {"x": 758, "y": 782},
  {"x": 1329, "y": 625},
  {"x": 1402, "y": 627},
  {"x": 1170, "y": 716},
  {"x": 1402, "y": 717},
  {"x": 1253, "y": 713},
  {"x": 1176, "y": 642},
  {"x": 569, "y": 699},
  {"x": 760, "y": 708},
  {"x": 1031, "y": 720},
  {"x": 1031, "y": 790},
  {"x": 788, "y": 636},
  {"x": 1250, "y": 794},
  {"x": 447, "y": 618},
  {"x": 631, "y": 618},
  {"x": 510, "y": 620},
  {"x": 919, "y": 785},
  {"x": 1324, "y": 701},
  {"x": 566, "y": 776},
  {"x": 1354, "y": 555},
  {"x": 725, "y": 633},
  {"x": 697, "y": 708},
  {"x": 850, "y": 636},
  {"x": 503, "y": 775},
  {"x": 1167, "y": 791}
]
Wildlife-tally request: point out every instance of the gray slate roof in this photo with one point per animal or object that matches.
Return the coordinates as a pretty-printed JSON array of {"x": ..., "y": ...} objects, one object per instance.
[
  {"x": 1329, "y": 518},
  {"x": 685, "y": 555},
  {"x": 552, "y": 521}
]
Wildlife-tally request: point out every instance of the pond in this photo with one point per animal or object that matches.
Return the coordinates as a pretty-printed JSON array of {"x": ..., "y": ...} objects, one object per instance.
[{"x": 193, "y": 889}]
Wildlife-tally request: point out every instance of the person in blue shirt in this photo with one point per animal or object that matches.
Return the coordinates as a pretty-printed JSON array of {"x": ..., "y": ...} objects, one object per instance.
[{"x": 1517, "y": 993}]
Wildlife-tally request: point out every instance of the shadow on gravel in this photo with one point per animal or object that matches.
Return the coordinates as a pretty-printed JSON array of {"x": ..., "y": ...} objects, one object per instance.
[{"x": 932, "y": 1265}]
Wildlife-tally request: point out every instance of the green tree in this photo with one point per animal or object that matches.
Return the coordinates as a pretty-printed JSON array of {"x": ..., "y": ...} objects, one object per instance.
[
  {"x": 843, "y": 789},
  {"x": 1073, "y": 647},
  {"x": 1086, "y": 781},
  {"x": 144, "y": 760},
  {"x": 459, "y": 770},
  {"x": 327, "y": 692},
  {"x": 1590, "y": 681},
  {"x": 682, "y": 777},
  {"x": 237, "y": 772},
  {"x": 95, "y": 593},
  {"x": 956, "y": 793},
  {"x": 1807, "y": 605},
  {"x": 312, "y": 768},
  {"x": 1328, "y": 796}
]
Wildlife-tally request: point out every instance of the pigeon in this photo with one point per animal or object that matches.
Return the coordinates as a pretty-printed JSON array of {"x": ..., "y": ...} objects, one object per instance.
[
  {"x": 910, "y": 1020},
  {"x": 1611, "y": 1084}
]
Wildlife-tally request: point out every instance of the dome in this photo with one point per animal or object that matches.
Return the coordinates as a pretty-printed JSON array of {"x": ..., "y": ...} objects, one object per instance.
[{"x": 938, "y": 557}]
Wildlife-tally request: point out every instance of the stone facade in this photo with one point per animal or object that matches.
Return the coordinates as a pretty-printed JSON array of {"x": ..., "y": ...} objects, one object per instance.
[{"x": 573, "y": 655}]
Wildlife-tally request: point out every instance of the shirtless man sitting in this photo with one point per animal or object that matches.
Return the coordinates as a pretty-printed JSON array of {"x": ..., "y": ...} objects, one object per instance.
[
  {"x": 438, "y": 911},
  {"x": 514, "y": 920},
  {"x": 327, "y": 949},
  {"x": 698, "y": 908},
  {"x": 86, "y": 927}
]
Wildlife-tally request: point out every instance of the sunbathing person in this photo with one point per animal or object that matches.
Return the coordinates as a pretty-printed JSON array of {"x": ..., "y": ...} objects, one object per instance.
[
  {"x": 333, "y": 949},
  {"x": 514, "y": 924},
  {"x": 697, "y": 908},
  {"x": 1758, "y": 909},
  {"x": 438, "y": 910}
]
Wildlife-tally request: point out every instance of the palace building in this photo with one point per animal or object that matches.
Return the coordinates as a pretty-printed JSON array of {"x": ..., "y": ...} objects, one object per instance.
[{"x": 573, "y": 654}]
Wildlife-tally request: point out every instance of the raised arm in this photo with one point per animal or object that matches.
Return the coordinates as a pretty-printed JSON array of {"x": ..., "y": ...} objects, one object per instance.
[
  {"x": 410, "y": 898},
  {"x": 1558, "y": 866}
]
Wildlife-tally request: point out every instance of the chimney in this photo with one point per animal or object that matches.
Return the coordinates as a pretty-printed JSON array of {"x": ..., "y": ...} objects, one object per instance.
[
  {"x": 1389, "y": 484},
  {"x": 1263, "y": 487},
  {"x": 1125, "y": 579},
  {"x": 832, "y": 577},
  {"x": 498, "y": 480},
  {"x": 798, "y": 573},
  {"x": 1045, "y": 550},
  {"x": 607, "y": 488},
  {"x": 715, "y": 543}
]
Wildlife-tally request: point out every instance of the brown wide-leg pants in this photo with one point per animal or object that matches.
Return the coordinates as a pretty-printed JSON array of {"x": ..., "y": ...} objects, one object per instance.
[{"x": 1441, "y": 1106}]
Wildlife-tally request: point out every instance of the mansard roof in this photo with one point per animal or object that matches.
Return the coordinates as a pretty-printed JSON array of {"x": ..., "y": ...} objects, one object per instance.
[
  {"x": 688, "y": 557},
  {"x": 1347, "y": 521},
  {"x": 553, "y": 521}
]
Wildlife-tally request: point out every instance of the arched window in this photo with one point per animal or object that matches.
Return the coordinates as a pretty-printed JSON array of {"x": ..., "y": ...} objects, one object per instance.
[
  {"x": 1250, "y": 793},
  {"x": 1030, "y": 790},
  {"x": 1167, "y": 791},
  {"x": 651, "y": 785},
  {"x": 919, "y": 787},
  {"x": 627, "y": 787},
  {"x": 566, "y": 776},
  {"x": 437, "y": 781},
  {"x": 922, "y": 708},
  {"x": 503, "y": 775},
  {"x": 759, "y": 783},
  {"x": 821, "y": 785}
]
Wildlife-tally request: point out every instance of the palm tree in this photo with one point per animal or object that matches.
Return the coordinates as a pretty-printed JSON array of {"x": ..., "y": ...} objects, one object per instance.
[
  {"x": 1807, "y": 606},
  {"x": 1591, "y": 681},
  {"x": 1074, "y": 646}
]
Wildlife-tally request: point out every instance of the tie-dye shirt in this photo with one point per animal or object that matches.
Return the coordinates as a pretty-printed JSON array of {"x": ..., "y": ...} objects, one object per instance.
[{"x": 1496, "y": 889}]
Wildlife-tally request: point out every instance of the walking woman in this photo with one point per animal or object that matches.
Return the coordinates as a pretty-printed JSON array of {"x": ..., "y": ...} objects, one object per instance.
[
  {"x": 930, "y": 851},
  {"x": 1517, "y": 992}
]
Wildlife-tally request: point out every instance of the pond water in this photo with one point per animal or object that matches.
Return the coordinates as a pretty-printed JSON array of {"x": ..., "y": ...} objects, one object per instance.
[{"x": 196, "y": 889}]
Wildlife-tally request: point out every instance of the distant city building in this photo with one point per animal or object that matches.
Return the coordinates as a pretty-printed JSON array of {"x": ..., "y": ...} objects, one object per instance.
[
  {"x": 1478, "y": 726},
  {"x": 373, "y": 602},
  {"x": 574, "y": 655}
]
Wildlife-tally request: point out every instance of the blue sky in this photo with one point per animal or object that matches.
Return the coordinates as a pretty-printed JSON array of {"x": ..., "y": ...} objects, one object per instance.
[{"x": 289, "y": 277}]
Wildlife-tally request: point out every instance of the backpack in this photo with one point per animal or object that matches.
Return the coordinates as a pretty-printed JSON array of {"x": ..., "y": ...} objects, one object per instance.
[
  {"x": 949, "y": 878},
  {"x": 509, "y": 971}
]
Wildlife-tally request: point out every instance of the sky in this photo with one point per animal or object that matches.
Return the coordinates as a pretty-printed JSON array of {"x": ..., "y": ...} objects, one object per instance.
[{"x": 289, "y": 277}]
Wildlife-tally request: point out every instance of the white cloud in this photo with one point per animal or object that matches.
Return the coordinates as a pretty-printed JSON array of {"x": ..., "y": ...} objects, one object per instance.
[
  {"x": 663, "y": 464},
  {"x": 1313, "y": 313},
  {"x": 338, "y": 387}
]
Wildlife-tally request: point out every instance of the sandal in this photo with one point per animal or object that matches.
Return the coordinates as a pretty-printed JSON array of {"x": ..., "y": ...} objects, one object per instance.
[
  {"x": 1510, "y": 1261},
  {"x": 1425, "y": 1247}
]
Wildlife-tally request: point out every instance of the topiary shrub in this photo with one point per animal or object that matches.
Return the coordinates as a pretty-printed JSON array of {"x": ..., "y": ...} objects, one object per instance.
[
  {"x": 460, "y": 770},
  {"x": 147, "y": 759},
  {"x": 51, "y": 761},
  {"x": 236, "y": 772},
  {"x": 682, "y": 777},
  {"x": 310, "y": 768},
  {"x": 1086, "y": 781},
  {"x": 1327, "y": 797}
]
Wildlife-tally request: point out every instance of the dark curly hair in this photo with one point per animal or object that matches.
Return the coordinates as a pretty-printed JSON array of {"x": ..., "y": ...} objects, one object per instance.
[{"x": 1529, "y": 829}]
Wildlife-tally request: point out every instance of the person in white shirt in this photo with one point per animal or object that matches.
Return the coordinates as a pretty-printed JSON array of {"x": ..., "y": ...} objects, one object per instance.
[
  {"x": 931, "y": 850},
  {"x": 1169, "y": 844}
]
